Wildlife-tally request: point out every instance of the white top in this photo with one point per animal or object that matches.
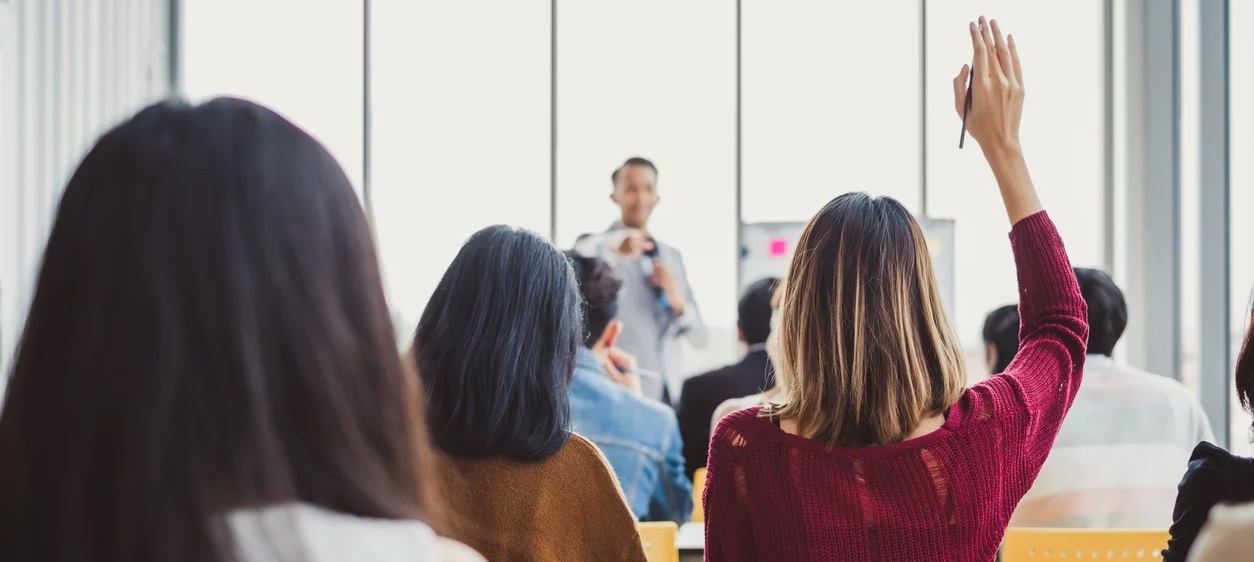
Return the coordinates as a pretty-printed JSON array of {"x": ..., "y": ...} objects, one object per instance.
[
  {"x": 734, "y": 405},
  {"x": 1120, "y": 453},
  {"x": 1226, "y": 536},
  {"x": 299, "y": 531}
]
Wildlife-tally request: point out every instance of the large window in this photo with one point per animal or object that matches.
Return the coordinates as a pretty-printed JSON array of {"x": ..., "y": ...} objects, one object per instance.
[
  {"x": 819, "y": 117},
  {"x": 657, "y": 79},
  {"x": 460, "y": 133},
  {"x": 1061, "y": 45},
  {"x": 309, "y": 69},
  {"x": 1241, "y": 194}
]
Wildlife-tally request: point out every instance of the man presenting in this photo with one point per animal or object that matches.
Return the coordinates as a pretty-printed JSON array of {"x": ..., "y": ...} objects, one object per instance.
[{"x": 656, "y": 302}]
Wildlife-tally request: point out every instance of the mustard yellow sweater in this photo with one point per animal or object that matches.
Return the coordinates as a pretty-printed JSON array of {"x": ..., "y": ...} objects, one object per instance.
[{"x": 565, "y": 507}]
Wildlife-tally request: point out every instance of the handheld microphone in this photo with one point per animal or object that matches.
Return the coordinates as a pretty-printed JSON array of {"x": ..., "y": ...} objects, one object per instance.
[{"x": 652, "y": 254}]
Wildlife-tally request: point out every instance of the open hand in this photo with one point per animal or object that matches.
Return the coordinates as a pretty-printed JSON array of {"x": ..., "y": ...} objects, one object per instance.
[{"x": 996, "y": 91}]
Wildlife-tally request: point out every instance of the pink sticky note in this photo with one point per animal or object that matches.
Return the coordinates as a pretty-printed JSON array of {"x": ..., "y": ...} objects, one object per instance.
[{"x": 779, "y": 246}]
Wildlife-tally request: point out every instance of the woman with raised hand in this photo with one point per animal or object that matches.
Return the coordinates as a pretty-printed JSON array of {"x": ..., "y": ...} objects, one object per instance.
[
  {"x": 208, "y": 371},
  {"x": 496, "y": 349},
  {"x": 876, "y": 451}
]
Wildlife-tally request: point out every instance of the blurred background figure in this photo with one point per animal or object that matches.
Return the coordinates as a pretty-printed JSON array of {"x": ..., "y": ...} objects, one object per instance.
[
  {"x": 638, "y": 435},
  {"x": 496, "y": 348},
  {"x": 1001, "y": 337},
  {"x": 703, "y": 393},
  {"x": 208, "y": 371},
  {"x": 656, "y": 302},
  {"x": 1117, "y": 459}
]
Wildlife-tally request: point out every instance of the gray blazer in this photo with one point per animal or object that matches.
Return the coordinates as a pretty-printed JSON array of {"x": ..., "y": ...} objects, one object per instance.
[{"x": 650, "y": 332}]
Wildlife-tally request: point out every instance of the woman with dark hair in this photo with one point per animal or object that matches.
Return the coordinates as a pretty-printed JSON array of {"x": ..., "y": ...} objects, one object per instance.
[
  {"x": 208, "y": 371},
  {"x": 1216, "y": 477},
  {"x": 495, "y": 349},
  {"x": 877, "y": 450}
]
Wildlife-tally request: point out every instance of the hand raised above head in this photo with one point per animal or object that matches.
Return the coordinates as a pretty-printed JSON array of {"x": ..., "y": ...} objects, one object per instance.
[
  {"x": 995, "y": 112},
  {"x": 996, "y": 89}
]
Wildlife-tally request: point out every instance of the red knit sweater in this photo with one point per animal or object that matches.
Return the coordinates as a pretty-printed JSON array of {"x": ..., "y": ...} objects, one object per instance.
[{"x": 948, "y": 495}]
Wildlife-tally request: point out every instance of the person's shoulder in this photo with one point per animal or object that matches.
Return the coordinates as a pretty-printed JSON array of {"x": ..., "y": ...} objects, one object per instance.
[
  {"x": 1210, "y": 469},
  {"x": 732, "y": 405},
  {"x": 585, "y": 468},
  {"x": 741, "y": 423},
  {"x": 582, "y": 456},
  {"x": 325, "y": 535},
  {"x": 654, "y": 422}
]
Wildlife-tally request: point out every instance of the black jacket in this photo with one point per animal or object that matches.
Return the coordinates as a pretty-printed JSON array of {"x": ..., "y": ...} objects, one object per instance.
[
  {"x": 703, "y": 393},
  {"x": 1215, "y": 476}
]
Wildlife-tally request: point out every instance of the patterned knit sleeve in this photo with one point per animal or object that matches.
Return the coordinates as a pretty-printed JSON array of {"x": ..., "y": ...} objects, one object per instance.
[
  {"x": 1053, "y": 336},
  {"x": 728, "y": 534}
]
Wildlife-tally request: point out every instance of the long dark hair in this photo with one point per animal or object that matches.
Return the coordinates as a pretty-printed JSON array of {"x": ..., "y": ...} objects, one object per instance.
[
  {"x": 496, "y": 347},
  {"x": 208, "y": 332},
  {"x": 1245, "y": 369}
]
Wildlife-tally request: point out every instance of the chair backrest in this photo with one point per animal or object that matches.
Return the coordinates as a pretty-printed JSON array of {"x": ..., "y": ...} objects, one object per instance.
[
  {"x": 698, "y": 488},
  {"x": 1032, "y": 544},
  {"x": 658, "y": 539}
]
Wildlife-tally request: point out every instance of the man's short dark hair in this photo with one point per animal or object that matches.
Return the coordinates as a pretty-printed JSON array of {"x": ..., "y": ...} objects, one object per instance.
[
  {"x": 599, "y": 285},
  {"x": 1001, "y": 329},
  {"x": 633, "y": 161},
  {"x": 755, "y": 310},
  {"x": 1108, "y": 312}
]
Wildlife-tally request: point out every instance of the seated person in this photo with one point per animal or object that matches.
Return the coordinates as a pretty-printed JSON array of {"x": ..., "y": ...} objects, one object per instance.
[
  {"x": 1216, "y": 477},
  {"x": 762, "y": 398},
  {"x": 1001, "y": 337},
  {"x": 1117, "y": 459},
  {"x": 495, "y": 349},
  {"x": 639, "y": 436},
  {"x": 702, "y": 394}
]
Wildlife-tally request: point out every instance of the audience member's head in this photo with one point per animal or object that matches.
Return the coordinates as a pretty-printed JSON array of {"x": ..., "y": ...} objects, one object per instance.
[
  {"x": 1001, "y": 337},
  {"x": 599, "y": 286},
  {"x": 496, "y": 347},
  {"x": 1108, "y": 312},
  {"x": 1245, "y": 369},
  {"x": 755, "y": 309},
  {"x": 865, "y": 349},
  {"x": 208, "y": 332},
  {"x": 635, "y": 190}
]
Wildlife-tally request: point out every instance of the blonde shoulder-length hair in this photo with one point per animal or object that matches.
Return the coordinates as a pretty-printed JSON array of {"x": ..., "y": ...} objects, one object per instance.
[{"x": 863, "y": 349}]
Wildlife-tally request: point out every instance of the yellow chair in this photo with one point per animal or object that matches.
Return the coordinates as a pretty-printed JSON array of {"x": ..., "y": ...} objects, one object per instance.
[
  {"x": 659, "y": 541},
  {"x": 698, "y": 486},
  {"x": 1029, "y": 544}
]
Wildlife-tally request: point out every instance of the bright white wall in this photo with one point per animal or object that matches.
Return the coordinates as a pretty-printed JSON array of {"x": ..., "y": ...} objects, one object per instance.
[
  {"x": 1241, "y": 193},
  {"x": 302, "y": 58},
  {"x": 69, "y": 69},
  {"x": 819, "y": 122},
  {"x": 460, "y": 133}
]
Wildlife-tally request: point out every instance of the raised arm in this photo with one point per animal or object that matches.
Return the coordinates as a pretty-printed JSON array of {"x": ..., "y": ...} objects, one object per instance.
[
  {"x": 1053, "y": 332},
  {"x": 996, "y": 109}
]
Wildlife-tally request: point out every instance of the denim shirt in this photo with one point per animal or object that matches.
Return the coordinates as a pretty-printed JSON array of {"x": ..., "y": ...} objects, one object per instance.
[{"x": 640, "y": 438}]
